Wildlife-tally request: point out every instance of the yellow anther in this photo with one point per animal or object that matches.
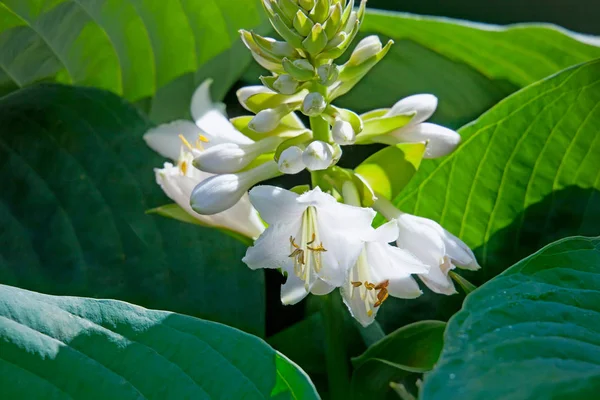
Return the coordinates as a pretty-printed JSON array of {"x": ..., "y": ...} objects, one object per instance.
[
  {"x": 369, "y": 285},
  {"x": 382, "y": 295},
  {"x": 183, "y": 167},
  {"x": 382, "y": 285},
  {"x": 320, "y": 248},
  {"x": 185, "y": 142},
  {"x": 293, "y": 242},
  {"x": 356, "y": 284},
  {"x": 314, "y": 237},
  {"x": 203, "y": 138},
  {"x": 370, "y": 313}
]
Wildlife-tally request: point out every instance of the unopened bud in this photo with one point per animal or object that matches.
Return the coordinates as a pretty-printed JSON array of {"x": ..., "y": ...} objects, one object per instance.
[
  {"x": 265, "y": 121},
  {"x": 285, "y": 84},
  {"x": 318, "y": 156},
  {"x": 230, "y": 157},
  {"x": 328, "y": 74},
  {"x": 290, "y": 160},
  {"x": 221, "y": 192},
  {"x": 342, "y": 132},
  {"x": 307, "y": 4},
  {"x": 314, "y": 104},
  {"x": 423, "y": 105},
  {"x": 301, "y": 70},
  {"x": 366, "y": 48}
]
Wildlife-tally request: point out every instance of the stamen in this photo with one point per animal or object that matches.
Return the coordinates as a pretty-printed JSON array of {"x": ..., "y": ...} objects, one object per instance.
[
  {"x": 203, "y": 138},
  {"x": 356, "y": 284},
  {"x": 369, "y": 286},
  {"x": 185, "y": 142},
  {"x": 293, "y": 242},
  {"x": 183, "y": 167},
  {"x": 370, "y": 313},
  {"x": 382, "y": 285},
  {"x": 382, "y": 295},
  {"x": 320, "y": 248}
]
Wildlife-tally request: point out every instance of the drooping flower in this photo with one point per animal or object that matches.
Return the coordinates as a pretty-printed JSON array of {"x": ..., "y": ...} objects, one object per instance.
[
  {"x": 433, "y": 245},
  {"x": 440, "y": 140},
  {"x": 174, "y": 141},
  {"x": 311, "y": 237},
  {"x": 381, "y": 270}
]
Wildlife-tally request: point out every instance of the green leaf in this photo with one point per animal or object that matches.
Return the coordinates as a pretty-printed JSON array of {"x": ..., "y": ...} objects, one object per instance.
[
  {"x": 135, "y": 48},
  {"x": 530, "y": 333},
  {"x": 468, "y": 66},
  {"x": 389, "y": 170},
  {"x": 77, "y": 179},
  {"x": 78, "y": 348},
  {"x": 525, "y": 175},
  {"x": 413, "y": 348}
]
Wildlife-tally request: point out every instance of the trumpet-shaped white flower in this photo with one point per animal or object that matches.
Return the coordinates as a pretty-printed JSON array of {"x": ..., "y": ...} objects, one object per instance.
[
  {"x": 318, "y": 156},
  {"x": 290, "y": 160},
  {"x": 220, "y": 192},
  {"x": 178, "y": 181},
  {"x": 311, "y": 237},
  {"x": 232, "y": 157},
  {"x": 211, "y": 127},
  {"x": 380, "y": 271},
  {"x": 433, "y": 245},
  {"x": 440, "y": 140}
]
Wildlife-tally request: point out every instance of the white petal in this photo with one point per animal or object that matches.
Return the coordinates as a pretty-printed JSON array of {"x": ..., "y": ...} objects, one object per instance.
[
  {"x": 365, "y": 49},
  {"x": 441, "y": 141},
  {"x": 231, "y": 157},
  {"x": 272, "y": 249},
  {"x": 321, "y": 288},
  {"x": 217, "y": 128},
  {"x": 386, "y": 233},
  {"x": 438, "y": 280},
  {"x": 246, "y": 92},
  {"x": 459, "y": 252},
  {"x": 164, "y": 139},
  {"x": 343, "y": 133},
  {"x": 276, "y": 205},
  {"x": 356, "y": 305},
  {"x": 293, "y": 290},
  {"x": 355, "y": 221},
  {"x": 423, "y": 105},
  {"x": 421, "y": 240},
  {"x": 343, "y": 249},
  {"x": 202, "y": 102}
]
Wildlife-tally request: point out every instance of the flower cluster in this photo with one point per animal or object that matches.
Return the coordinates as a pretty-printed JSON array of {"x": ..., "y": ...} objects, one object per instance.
[{"x": 321, "y": 238}]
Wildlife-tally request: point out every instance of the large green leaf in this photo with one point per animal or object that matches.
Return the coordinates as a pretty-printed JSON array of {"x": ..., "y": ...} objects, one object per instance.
[
  {"x": 78, "y": 348},
  {"x": 412, "y": 348},
  {"x": 525, "y": 175},
  {"x": 77, "y": 179},
  {"x": 470, "y": 67},
  {"x": 531, "y": 333},
  {"x": 135, "y": 48}
]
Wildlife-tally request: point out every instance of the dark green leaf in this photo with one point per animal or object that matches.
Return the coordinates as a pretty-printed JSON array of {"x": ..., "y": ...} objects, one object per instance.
[
  {"x": 413, "y": 348},
  {"x": 78, "y": 348},
  {"x": 77, "y": 179},
  {"x": 531, "y": 333}
]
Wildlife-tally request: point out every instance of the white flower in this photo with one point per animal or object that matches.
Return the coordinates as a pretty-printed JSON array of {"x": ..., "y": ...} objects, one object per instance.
[
  {"x": 380, "y": 270},
  {"x": 311, "y": 237},
  {"x": 432, "y": 244},
  {"x": 220, "y": 192},
  {"x": 178, "y": 181},
  {"x": 318, "y": 156},
  {"x": 290, "y": 160},
  {"x": 440, "y": 141},
  {"x": 365, "y": 49},
  {"x": 211, "y": 127},
  {"x": 436, "y": 247}
]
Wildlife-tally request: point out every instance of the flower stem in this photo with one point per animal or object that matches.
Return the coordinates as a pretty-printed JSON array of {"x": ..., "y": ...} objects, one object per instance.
[
  {"x": 320, "y": 128},
  {"x": 336, "y": 358}
]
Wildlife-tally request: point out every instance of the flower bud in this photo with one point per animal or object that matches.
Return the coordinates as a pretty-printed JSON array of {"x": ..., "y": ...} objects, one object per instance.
[
  {"x": 285, "y": 84},
  {"x": 342, "y": 132},
  {"x": 328, "y": 74},
  {"x": 231, "y": 157},
  {"x": 301, "y": 70},
  {"x": 290, "y": 160},
  {"x": 316, "y": 41},
  {"x": 307, "y": 4},
  {"x": 220, "y": 192},
  {"x": 318, "y": 156},
  {"x": 314, "y": 104},
  {"x": 267, "y": 120},
  {"x": 423, "y": 105},
  {"x": 440, "y": 140},
  {"x": 302, "y": 23},
  {"x": 366, "y": 48},
  {"x": 320, "y": 11}
]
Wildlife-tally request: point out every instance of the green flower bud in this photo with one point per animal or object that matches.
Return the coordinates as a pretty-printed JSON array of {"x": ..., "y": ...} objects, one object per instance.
[
  {"x": 285, "y": 84},
  {"x": 314, "y": 104},
  {"x": 289, "y": 8},
  {"x": 334, "y": 22},
  {"x": 307, "y": 4},
  {"x": 302, "y": 23},
  {"x": 328, "y": 74},
  {"x": 320, "y": 11},
  {"x": 316, "y": 41},
  {"x": 302, "y": 70}
]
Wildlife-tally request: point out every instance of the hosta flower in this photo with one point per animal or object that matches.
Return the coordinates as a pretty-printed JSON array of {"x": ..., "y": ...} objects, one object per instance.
[
  {"x": 182, "y": 141},
  {"x": 437, "y": 248},
  {"x": 311, "y": 237},
  {"x": 440, "y": 140},
  {"x": 381, "y": 270}
]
